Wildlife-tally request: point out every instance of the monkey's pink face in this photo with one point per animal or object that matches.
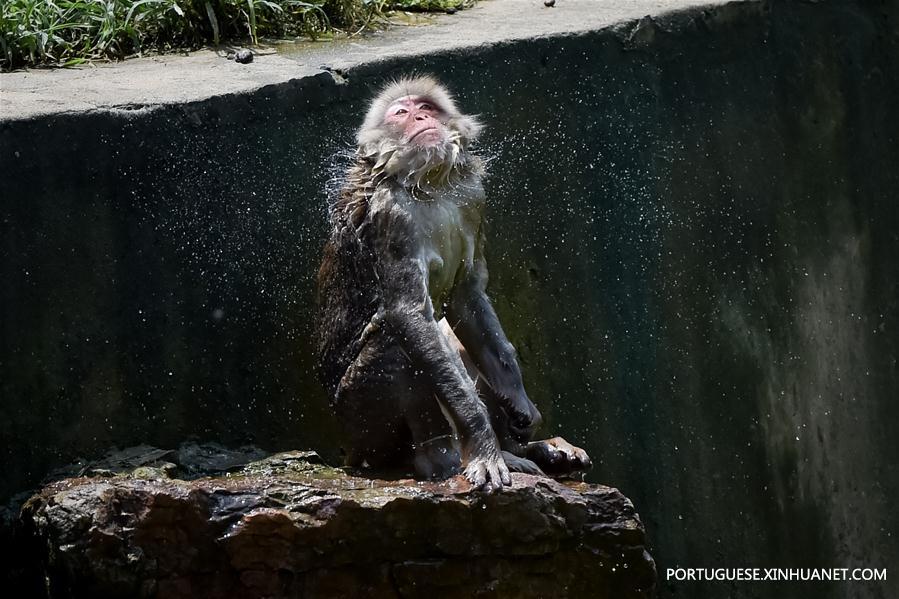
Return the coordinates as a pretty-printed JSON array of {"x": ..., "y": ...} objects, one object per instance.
[{"x": 417, "y": 119}]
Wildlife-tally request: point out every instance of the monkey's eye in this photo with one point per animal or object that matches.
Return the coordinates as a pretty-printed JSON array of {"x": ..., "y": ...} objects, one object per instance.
[
  {"x": 425, "y": 106},
  {"x": 399, "y": 111}
]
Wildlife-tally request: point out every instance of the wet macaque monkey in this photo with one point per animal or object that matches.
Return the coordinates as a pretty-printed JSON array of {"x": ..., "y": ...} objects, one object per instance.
[{"x": 418, "y": 368}]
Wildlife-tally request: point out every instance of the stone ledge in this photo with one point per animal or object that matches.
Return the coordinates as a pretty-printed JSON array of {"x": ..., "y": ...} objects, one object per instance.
[
  {"x": 145, "y": 83},
  {"x": 289, "y": 526}
]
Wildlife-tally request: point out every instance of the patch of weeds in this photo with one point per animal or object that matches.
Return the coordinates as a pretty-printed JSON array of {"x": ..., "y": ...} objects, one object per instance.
[{"x": 71, "y": 32}]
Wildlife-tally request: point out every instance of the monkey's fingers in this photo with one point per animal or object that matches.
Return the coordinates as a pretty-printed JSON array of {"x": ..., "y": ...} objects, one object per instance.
[
  {"x": 503, "y": 471},
  {"x": 523, "y": 420},
  {"x": 522, "y": 413},
  {"x": 476, "y": 473},
  {"x": 487, "y": 475}
]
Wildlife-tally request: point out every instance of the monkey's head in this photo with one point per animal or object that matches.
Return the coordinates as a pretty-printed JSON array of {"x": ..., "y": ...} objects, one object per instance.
[{"x": 414, "y": 131}]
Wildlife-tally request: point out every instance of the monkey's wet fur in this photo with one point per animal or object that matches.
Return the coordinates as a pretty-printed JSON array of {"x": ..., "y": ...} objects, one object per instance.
[{"x": 417, "y": 366}]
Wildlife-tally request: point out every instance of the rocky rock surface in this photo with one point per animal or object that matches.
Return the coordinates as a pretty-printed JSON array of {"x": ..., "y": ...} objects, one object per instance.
[{"x": 289, "y": 526}]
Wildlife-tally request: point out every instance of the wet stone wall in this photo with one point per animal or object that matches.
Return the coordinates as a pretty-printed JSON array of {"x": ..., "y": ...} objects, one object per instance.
[{"x": 693, "y": 244}]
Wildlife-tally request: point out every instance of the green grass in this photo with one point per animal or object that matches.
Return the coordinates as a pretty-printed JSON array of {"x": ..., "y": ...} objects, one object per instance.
[{"x": 70, "y": 32}]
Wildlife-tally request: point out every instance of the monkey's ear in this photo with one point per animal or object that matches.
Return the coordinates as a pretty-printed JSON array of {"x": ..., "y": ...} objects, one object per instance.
[{"x": 370, "y": 138}]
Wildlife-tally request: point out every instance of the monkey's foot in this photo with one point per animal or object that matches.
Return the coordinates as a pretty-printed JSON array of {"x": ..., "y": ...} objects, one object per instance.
[
  {"x": 558, "y": 457},
  {"x": 519, "y": 464},
  {"x": 437, "y": 460}
]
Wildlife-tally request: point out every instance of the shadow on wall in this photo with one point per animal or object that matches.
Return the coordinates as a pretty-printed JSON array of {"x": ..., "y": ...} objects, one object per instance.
[{"x": 693, "y": 241}]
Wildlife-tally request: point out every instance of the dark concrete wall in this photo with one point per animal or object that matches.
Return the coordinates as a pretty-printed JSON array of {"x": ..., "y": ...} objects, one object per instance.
[{"x": 693, "y": 245}]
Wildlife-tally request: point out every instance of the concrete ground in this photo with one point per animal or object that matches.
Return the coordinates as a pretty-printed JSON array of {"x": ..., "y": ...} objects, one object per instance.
[{"x": 170, "y": 79}]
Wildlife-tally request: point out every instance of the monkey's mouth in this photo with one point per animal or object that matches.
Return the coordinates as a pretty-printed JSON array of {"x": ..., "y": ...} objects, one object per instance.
[{"x": 421, "y": 131}]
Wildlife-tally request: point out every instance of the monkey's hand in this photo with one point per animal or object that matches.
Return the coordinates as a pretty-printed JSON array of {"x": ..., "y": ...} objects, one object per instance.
[
  {"x": 523, "y": 416},
  {"x": 488, "y": 471}
]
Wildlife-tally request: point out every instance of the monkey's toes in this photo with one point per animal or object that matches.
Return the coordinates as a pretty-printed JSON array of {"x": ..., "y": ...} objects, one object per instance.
[
  {"x": 558, "y": 457},
  {"x": 582, "y": 459}
]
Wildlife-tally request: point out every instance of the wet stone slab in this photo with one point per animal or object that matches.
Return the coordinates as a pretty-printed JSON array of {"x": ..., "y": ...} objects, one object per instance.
[{"x": 290, "y": 526}]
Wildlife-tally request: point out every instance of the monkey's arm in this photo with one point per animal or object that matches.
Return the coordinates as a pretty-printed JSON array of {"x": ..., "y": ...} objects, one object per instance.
[
  {"x": 477, "y": 326},
  {"x": 406, "y": 313}
]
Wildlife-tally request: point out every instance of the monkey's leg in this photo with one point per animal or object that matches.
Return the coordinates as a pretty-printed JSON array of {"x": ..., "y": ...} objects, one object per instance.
[
  {"x": 435, "y": 444},
  {"x": 369, "y": 406},
  {"x": 391, "y": 416}
]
